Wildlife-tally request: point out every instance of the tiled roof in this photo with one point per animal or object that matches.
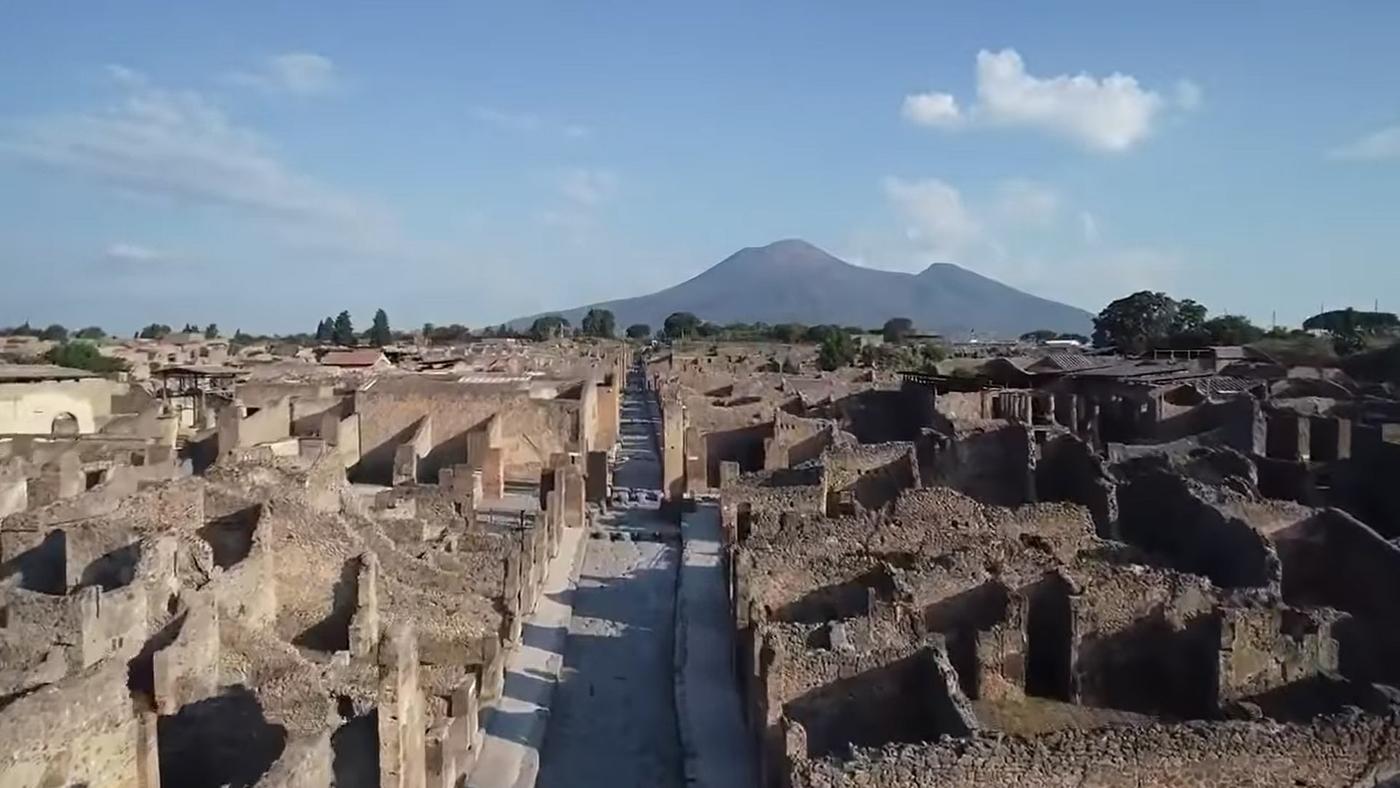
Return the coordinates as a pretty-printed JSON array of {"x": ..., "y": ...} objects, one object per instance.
[
  {"x": 1216, "y": 385},
  {"x": 1073, "y": 361}
]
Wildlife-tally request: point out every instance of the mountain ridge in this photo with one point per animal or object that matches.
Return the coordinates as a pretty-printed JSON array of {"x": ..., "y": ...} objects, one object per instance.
[{"x": 793, "y": 281}]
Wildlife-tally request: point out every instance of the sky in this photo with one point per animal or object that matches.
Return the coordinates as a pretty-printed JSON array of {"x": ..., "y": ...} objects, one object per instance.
[{"x": 263, "y": 165}]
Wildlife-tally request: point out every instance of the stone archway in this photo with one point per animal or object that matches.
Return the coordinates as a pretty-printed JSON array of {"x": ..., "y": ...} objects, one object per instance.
[{"x": 65, "y": 425}]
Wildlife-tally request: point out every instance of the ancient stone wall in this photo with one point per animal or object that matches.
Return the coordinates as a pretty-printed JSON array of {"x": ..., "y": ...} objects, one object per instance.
[
  {"x": 1069, "y": 470},
  {"x": 82, "y": 730},
  {"x": 992, "y": 463},
  {"x": 1161, "y": 513},
  {"x": 1331, "y": 754},
  {"x": 530, "y": 430}
]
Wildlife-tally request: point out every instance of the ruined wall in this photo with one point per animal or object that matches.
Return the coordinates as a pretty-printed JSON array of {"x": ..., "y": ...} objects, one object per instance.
[
  {"x": 672, "y": 440},
  {"x": 402, "y": 723},
  {"x": 840, "y": 693},
  {"x": 609, "y": 403},
  {"x": 14, "y": 488},
  {"x": 308, "y": 414},
  {"x": 306, "y": 762},
  {"x": 1263, "y": 649},
  {"x": 1161, "y": 513},
  {"x": 186, "y": 670},
  {"x": 872, "y": 474},
  {"x": 965, "y": 405},
  {"x": 531, "y": 429},
  {"x": 241, "y": 427},
  {"x": 743, "y": 445},
  {"x": 992, "y": 463},
  {"x": 1335, "y": 560},
  {"x": 408, "y": 453},
  {"x": 80, "y": 731},
  {"x": 1144, "y": 640},
  {"x": 30, "y": 408},
  {"x": 1337, "y": 754},
  {"x": 1069, "y": 470}
]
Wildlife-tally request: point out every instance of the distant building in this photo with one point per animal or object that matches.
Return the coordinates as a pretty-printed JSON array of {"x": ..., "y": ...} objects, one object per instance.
[
  {"x": 42, "y": 399},
  {"x": 359, "y": 358}
]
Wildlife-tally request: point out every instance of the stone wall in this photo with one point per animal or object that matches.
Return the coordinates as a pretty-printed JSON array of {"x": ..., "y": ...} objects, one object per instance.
[
  {"x": 1332, "y": 754},
  {"x": 991, "y": 462},
  {"x": 530, "y": 430},
  {"x": 401, "y": 714},
  {"x": 31, "y": 408},
  {"x": 1160, "y": 512},
  {"x": 82, "y": 730}
]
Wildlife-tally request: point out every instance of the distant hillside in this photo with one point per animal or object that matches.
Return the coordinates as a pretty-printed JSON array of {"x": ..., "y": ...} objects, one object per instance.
[{"x": 793, "y": 281}]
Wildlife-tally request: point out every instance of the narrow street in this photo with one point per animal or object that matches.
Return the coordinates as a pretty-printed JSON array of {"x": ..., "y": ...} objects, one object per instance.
[{"x": 613, "y": 716}]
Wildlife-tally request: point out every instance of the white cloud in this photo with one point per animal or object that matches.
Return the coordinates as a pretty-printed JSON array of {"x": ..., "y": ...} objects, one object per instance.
[
  {"x": 1110, "y": 114},
  {"x": 934, "y": 215},
  {"x": 510, "y": 121},
  {"x": 122, "y": 252},
  {"x": 179, "y": 145},
  {"x": 932, "y": 109},
  {"x": 1378, "y": 145},
  {"x": 296, "y": 73},
  {"x": 588, "y": 187},
  {"x": 528, "y": 123},
  {"x": 1188, "y": 94},
  {"x": 1020, "y": 232},
  {"x": 1089, "y": 226},
  {"x": 1023, "y": 202}
]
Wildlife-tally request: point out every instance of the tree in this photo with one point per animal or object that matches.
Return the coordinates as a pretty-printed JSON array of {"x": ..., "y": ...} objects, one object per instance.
[
  {"x": 154, "y": 331},
  {"x": 897, "y": 328},
  {"x": 211, "y": 331},
  {"x": 638, "y": 331},
  {"x": 599, "y": 323},
  {"x": 1190, "y": 317},
  {"x": 837, "y": 350},
  {"x": 1231, "y": 330},
  {"x": 54, "y": 333},
  {"x": 1039, "y": 336},
  {"x": 819, "y": 334},
  {"x": 342, "y": 330},
  {"x": 1136, "y": 323},
  {"x": 548, "y": 327},
  {"x": 379, "y": 333},
  {"x": 91, "y": 332},
  {"x": 1351, "y": 328},
  {"x": 789, "y": 332},
  {"x": 325, "y": 331},
  {"x": 1343, "y": 321},
  {"x": 83, "y": 355},
  {"x": 680, "y": 325}
]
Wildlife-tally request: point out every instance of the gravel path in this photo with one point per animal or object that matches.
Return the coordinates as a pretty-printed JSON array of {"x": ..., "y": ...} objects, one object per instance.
[{"x": 613, "y": 719}]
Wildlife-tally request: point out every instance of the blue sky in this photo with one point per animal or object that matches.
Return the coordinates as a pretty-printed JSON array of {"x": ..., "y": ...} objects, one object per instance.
[{"x": 262, "y": 165}]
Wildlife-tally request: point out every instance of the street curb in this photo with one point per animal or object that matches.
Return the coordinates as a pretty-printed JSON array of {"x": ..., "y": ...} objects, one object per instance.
[
  {"x": 528, "y": 769},
  {"x": 678, "y": 659}
]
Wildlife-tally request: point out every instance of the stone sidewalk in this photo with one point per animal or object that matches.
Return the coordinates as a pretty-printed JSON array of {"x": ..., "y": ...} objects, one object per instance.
[
  {"x": 514, "y": 729},
  {"x": 717, "y": 751}
]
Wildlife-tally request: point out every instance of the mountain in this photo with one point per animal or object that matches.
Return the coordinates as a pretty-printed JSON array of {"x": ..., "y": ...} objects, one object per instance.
[{"x": 793, "y": 281}]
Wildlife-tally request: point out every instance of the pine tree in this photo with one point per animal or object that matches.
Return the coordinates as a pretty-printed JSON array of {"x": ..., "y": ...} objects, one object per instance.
[
  {"x": 325, "y": 331},
  {"x": 379, "y": 333},
  {"x": 343, "y": 331}
]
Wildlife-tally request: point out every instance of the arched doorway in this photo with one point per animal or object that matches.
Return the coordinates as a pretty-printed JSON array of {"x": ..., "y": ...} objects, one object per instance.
[{"x": 65, "y": 425}]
